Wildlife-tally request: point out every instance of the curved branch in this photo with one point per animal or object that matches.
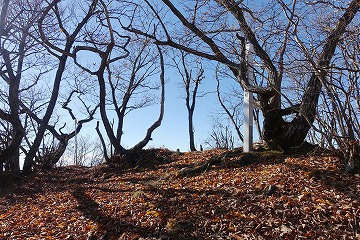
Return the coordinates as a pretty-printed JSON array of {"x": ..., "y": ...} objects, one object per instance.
[{"x": 157, "y": 123}]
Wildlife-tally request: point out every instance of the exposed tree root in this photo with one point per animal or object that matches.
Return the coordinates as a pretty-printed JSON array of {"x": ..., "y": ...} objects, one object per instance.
[{"x": 242, "y": 159}]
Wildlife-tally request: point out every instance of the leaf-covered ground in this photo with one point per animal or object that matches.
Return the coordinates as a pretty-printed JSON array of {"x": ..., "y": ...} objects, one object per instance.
[{"x": 271, "y": 196}]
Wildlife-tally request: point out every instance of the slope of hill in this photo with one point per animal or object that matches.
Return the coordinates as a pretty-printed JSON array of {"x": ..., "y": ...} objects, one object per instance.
[{"x": 176, "y": 196}]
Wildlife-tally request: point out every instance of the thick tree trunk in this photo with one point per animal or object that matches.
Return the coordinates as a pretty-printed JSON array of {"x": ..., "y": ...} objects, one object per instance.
[
  {"x": 290, "y": 136},
  {"x": 10, "y": 154},
  {"x": 14, "y": 157}
]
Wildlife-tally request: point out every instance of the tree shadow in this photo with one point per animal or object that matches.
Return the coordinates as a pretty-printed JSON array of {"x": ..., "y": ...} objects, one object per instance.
[
  {"x": 186, "y": 210},
  {"x": 168, "y": 201},
  {"x": 110, "y": 226}
]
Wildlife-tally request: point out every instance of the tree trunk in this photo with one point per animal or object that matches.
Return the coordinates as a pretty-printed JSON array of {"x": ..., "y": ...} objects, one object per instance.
[
  {"x": 105, "y": 120},
  {"x": 191, "y": 132},
  {"x": 290, "y": 136},
  {"x": 15, "y": 158},
  {"x": 11, "y": 153},
  {"x": 28, "y": 163}
]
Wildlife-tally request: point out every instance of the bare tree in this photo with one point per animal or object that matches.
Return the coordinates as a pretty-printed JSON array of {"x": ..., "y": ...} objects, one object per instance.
[
  {"x": 122, "y": 71},
  {"x": 157, "y": 122},
  {"x": 36, "y": 43},
  {"x": 338, "y": 113},
  {"x": 306, "y": 68},
  {"x": 59, "y": 44},
  {"x": 336, "y": 121},
  {"x": 15, "y": 26},
  {"x": 191, "y": 83}
]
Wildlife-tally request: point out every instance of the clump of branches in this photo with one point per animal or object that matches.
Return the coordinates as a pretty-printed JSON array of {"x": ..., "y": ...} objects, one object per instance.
[
  {"x": 338, "y": 126},
  {"x": 221, "y": 136}
]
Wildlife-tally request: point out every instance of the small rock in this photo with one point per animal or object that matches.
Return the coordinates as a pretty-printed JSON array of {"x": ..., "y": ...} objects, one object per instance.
[
  {"x": 271, "y": 190},
  {"x": 284, "y": 229}
]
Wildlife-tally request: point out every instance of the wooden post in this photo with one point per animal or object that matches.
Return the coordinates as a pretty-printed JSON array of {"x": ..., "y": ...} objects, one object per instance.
[{"x": 248, "y": 102}]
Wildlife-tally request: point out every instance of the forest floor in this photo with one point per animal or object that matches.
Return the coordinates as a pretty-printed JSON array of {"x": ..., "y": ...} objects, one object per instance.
[{"x": 264, "y": 195}]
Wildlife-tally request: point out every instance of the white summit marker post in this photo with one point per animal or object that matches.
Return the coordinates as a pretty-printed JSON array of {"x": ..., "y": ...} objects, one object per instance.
[{"x": 248, "y": 102}]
